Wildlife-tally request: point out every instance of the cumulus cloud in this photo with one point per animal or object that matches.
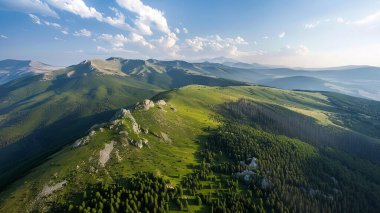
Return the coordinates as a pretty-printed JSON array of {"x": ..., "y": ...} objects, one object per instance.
[
  {"x": 176, "y": 30},
  {"x": 185, "y": 30},
  {"x": 281, "y": 35},
  {"x": 79, "y": 7},
  {"x": 146, "y": 16},
  {"x": 28, "y": 6},
  {"x": 136, "y": 38},
  {"x": 65, "y": 32},
  {"x": 118, "y": 41},
  {"x": 83, "y": 33},
  {"x": 213, "y": 45}
]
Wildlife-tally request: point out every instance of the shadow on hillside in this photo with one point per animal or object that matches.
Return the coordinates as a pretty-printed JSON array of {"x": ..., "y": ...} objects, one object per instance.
[{"x": 18, "y": 158}]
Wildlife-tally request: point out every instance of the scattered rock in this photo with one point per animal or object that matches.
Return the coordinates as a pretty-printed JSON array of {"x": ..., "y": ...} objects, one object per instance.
[
  {"x": 140, "y": 143},
  {"x": 104, "y": 154},
  {"x": 173, "y": 109}
]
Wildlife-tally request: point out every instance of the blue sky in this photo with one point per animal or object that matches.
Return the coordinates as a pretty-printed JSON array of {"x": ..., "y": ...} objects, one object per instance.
[{"x": 294, "y": 33}]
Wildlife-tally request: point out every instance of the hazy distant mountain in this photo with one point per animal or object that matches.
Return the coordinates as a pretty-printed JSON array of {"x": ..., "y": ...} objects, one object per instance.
[
  {"x": 12, "y": 69},
  {"x": 219, "y": 60},
  {"x": 298, "y": 83}
]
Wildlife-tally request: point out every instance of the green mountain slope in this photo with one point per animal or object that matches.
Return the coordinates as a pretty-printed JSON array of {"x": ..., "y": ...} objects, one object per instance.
[
  {"x": 212, "y": 149},
  {"x": 41, "y": 113}
]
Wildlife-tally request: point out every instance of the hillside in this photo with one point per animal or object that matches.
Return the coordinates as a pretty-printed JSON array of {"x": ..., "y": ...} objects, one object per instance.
[
  {"x": 215, "y": 149},
  {"x": 41, "y": 113}
]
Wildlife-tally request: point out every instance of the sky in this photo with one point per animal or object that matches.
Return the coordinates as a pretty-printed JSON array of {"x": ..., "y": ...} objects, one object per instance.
[{"x": 296, "y": 33}]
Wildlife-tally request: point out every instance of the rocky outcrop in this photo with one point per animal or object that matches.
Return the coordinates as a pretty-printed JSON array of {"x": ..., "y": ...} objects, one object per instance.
[
  {"x": 147, "y": 104},
  {"x": 140, "y": 143},
  {"x": 121, "y": 114},
  {"x": 161, "y": 103},
  {"x": 127, "y": 114}
]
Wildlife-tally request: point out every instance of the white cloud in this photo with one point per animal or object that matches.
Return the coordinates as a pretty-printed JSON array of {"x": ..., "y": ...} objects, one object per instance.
[
  {"x": 185, "y": 30},
  {"x": 83, "y": 32},
  {"x": 147, "y": 16},
  {"x": 116, "y": 41},
  {"x": 117, "y": 21},
  {"x": 176, "y": 30},
  {"x": 35, "y": 19},
  {"x": 265, "y": 37},
  {"x": 39, "y": 21},
  {"x": 281, "y": 35},
  {"x": 28, "y": 6},
  {"x": 119, "y": 40},
  {"x": 79, "y": 7},
  {"x": 214, "y": 45},
  {"x": 168, "y": 42},
  {"x": 52, "y": 24},
  {"x": 134, "y": 37},
  {"x": 3, "y": 36},
  {"x": 65, "y": 32},
  {"x": 370, "y": 19}
]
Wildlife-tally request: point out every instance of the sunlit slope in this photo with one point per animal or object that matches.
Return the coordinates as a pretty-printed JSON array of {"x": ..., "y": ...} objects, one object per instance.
[{"x": 164, "y": 139}]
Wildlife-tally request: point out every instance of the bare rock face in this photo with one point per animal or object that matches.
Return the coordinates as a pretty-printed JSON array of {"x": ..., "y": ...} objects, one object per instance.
[
  {"x": 147, "y": 104},
  {"x": 104, "y": 154},
  {"x": 47, "y": 190},
  {"x": 122, "y": 113}
]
